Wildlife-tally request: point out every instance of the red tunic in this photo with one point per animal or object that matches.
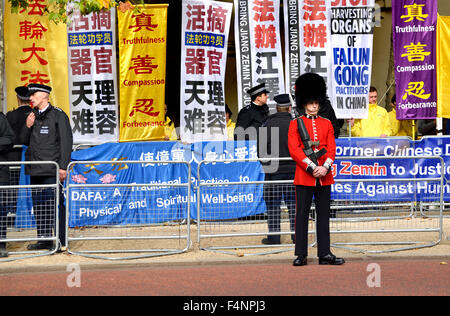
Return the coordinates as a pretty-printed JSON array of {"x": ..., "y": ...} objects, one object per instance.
[{"x": 319, "y": 129}]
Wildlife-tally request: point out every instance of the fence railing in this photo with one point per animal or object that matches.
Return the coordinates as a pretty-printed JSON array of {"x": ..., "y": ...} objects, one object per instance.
[
  {"x": 393, "y": 209},
  {"x": 116, "y": 213},
  {"x": 361, "y": 207},
  {"x": 28, "y": 212},
  {"x": 136, "y": 216}
]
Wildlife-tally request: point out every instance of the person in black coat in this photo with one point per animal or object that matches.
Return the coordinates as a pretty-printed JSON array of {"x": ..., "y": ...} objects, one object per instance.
[
  {"x": 251, "y": 117},
  {"x": 326, "y": 109},
  {"x": 49, "y": 138},
  {"x": 6, "y": 143},
  {"x": 277, "y": 146},
  {"x": 17, "y": 119}
]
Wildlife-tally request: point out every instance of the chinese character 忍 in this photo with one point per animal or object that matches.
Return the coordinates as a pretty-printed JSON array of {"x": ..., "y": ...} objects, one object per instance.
[{"x": 144, "y": 106}]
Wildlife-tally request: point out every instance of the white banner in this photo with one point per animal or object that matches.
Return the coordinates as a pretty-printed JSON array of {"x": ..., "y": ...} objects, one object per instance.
[
  {"x": 93, "y": 98},
  {"x": 292, "y": 43},
  {"x": 205, "y": 26},
  {"x": 258, "y": 48},
  {"x": 308, "y": 40},
  {"x": 352, "y": 40}
]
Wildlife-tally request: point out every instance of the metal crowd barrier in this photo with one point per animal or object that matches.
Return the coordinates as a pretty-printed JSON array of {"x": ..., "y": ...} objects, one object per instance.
[
  {"x": 400, "y": 223},
  {"x": 150, "y": 233},
  {"x": 354, "y": 222},
  {"x": 233, "y": 229},
  {"x": 19, "y": 216},
  {"x": 431, "y": 209},
  {"x": 227, "y": 214}
]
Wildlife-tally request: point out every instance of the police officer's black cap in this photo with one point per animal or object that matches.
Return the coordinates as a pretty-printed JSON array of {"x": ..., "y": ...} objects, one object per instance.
[
  {"x": 35, "y": 87},
  {"x": 257, "y": 90},
  {"x": 22, "y": 93},
  {"x": 282, "y": 100}
]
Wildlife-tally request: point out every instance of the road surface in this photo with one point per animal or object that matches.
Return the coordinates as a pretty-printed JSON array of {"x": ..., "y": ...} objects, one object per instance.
[{"x": 257, "y": 280}]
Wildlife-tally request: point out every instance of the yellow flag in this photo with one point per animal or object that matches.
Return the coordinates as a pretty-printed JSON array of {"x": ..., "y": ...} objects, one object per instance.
[
  {"x": 142, "y": 51},
  {"x": 443, "y": 66},
  {"x": 35, "y": 52}
]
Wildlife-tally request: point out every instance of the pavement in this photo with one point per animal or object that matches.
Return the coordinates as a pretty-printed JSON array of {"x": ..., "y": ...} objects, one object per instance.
[
  {"x": 231, "y": 287},
  {"x": 420, "y": 271},
  {"x": 195, "y": 256}
]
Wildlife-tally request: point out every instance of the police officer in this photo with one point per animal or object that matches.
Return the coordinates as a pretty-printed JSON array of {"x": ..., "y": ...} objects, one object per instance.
[
  {"x": 6, "y": 143},
  {"x": 251, "y": 117},
  {"x": 278, "y": 170},
  {"x": 313, "y": 176},
  {"x": 17, "y": 119},
  {"x": 49, "y": 138}
]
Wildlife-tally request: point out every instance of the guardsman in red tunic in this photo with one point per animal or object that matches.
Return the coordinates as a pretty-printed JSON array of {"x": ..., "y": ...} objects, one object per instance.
[{"x": 314, "y": 153}]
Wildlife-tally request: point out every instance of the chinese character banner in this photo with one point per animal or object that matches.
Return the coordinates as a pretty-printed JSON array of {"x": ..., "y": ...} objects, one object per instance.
[
  {"x": 414, "y": 34},
  {"x": 33, "y": 53},
  {"x": 307, "y": 39},
  {"x": 142, "y": 51},
  {"x": 292, "y": 43},
  {"x": 258, "y": 48},
  {"x": 205, "y": 26},
  {"x": 92, "y": 77},
  {"x": 352, "y": 25}
]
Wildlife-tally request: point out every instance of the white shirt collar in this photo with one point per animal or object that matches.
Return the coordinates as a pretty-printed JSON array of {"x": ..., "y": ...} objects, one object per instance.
[{"x": 43, "y": 110}]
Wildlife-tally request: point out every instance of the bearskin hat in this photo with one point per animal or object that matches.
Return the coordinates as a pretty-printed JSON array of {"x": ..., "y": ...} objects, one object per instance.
[{"x": 310, "y": 87}]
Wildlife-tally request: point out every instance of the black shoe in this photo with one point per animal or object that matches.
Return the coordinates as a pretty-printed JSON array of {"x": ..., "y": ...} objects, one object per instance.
[
  {"x": 300, "y": 261},
  {"x": 331, "y": 260},
  {"x": 3, "y": 252},
  {"x": 41, "y": 245},
  {"x": 267, "y": 241}
]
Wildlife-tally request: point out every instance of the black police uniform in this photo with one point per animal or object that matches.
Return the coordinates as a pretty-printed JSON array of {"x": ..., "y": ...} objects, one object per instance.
[
  {"x": 6, "y": 143},
  {"x": 274, "y": 193},
  {"x": 252, "y": 115},
  {"x": 49, "y": 139},
  {"x": 17, "y": 119}
]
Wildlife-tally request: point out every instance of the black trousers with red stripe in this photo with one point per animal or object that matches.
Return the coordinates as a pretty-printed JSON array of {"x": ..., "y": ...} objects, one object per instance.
[{"x": 322, "y": 197}]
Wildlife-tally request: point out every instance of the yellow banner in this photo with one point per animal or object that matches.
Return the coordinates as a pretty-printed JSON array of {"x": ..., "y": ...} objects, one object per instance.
[
  {"x": 35, "y": 52},
  {"x": 142, "y": 51},
  {"x": 443, "y": 66}
]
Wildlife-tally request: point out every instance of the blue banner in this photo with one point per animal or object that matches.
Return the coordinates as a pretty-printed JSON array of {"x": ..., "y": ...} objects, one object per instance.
[
  {"x": 393, "y": 170},
  {"x": 163, "y": 202},
  {"x": 222, "y": 200},
  {"x": 24, "y": 218}
]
